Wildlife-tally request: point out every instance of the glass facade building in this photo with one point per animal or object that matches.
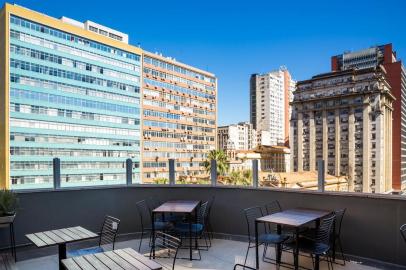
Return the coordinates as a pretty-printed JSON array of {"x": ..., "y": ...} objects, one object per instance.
[{"x": 69, "y": 94}]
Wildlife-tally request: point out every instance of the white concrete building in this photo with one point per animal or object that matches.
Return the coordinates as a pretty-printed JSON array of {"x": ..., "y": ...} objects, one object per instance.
[
  {"x": 270, "y": 94},
  {"x": 239, "y": 136}
]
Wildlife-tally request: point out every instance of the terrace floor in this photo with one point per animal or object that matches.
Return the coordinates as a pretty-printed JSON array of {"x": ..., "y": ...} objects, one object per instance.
[{"x": 222, "y": 255}]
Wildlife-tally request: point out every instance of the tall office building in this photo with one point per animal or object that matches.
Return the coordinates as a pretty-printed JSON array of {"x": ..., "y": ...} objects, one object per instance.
[
  {"x": 345, "y": 118},
  {"x": 72, "y": 91},
  {"x": 396, "y": 76},
  {"x": 241, "y": 136},
  {"x": 270, "y": 94},
  {"x": 179, "y": 117}
]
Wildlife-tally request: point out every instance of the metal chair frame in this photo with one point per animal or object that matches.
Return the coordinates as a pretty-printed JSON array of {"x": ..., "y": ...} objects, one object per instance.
[{"x": 168, "y": 242}]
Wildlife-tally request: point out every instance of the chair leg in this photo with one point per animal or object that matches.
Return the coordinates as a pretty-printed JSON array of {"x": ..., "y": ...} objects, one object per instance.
[
  {"x": 14, "y": 242},
  {"x": 341, "y": 251},
  {"x": 142, "y": 236},
  {"x": 246, "y": 254}
]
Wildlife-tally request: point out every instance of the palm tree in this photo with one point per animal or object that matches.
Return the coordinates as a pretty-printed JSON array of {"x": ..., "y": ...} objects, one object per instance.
[{"x": 221, "y": 158}]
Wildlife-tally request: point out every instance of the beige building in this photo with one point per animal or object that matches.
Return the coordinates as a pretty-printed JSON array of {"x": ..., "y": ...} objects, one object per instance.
[
  {"x": 239, "y": 136},
  {"x": 178, "y": 118},
  {"x": 271, "y": 159},
  {"x": 345, "y": 119}
]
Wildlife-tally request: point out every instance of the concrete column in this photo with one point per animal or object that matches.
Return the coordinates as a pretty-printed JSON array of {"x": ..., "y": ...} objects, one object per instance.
[
  {"x": 366, "y": 147},
  {"x": 390, "y": 146},
  {"x": 380, "y": 156},
  {"x": 300, "y": 142},
  {"x": 312, "y": 142},
  {"x": 325, "y": 138},
  {"x": 292, "y": 145},
  {"x": 337, "y": 142},
  {"x": 351, "y": 149}
]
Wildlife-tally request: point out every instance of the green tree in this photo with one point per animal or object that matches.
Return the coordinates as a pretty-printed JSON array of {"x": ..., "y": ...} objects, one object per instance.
[{"x": 222, "y": 162}]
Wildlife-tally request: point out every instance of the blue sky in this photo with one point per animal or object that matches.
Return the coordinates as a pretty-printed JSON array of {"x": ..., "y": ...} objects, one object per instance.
[{"x": 234, "y": 39}]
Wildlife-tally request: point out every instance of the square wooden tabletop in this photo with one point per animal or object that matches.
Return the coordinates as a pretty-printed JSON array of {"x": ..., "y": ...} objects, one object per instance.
[
  {"x": 177, "y": 207},
  {"x": 61, "y": 236},
  {"x": 294, "y": 217},
  {"x": 112, "y": 260}
]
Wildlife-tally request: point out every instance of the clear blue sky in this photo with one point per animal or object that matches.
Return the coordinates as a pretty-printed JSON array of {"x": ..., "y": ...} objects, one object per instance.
[{"x": 234, "y": 39}]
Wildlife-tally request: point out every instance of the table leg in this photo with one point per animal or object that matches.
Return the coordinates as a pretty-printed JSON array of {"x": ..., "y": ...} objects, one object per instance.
[
  {"x": 278, "y": 246},
  {"x": 190, "y": 237},
  {"x": 256, "y": 246},
  {"x": 317, "y": 258},
  {"x": 296, "y": 255},
  {"x": 153, "y": 235},
  {"x": 196, "y": 244},
  {"x": 62, "y": 254}
]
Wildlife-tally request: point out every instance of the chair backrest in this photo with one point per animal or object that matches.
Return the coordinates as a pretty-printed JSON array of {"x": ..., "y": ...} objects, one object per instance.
[
  {"x": 403, "y": 231},
  {"x": 211, "y": 202},
  {"x": 339, "y": 220},
  {"x": 144, "y": 213},
  {"x": 272, "y": 207},
  {"x": 251, "y": 214},
  {"x": 325, "y": 230},
  {"x": 109, "y": 231},
  {"x": 153, "y": 203},
  {"x": 202, "y": 213},
  {"x": 167, "y": 243}
]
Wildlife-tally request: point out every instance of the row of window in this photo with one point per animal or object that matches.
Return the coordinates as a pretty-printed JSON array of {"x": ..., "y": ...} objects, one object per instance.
[
  {"x": 177, "y": 145},
  {"x": 72, "y": 127},
  {"x": 176, "y": 98},
  {"x": 34, "y": 109},
  {"x": 72, "y": 75},
  {"x": 172, "y": 135},
  {"x": 180, "y": 89},
  {"x": 173, "y": 155},
  {"x": 73, "y": 51},
  {"x": 54, "y": 139},
  {"x": 178, "y": 69},
  {"x": 72, "y": 38},
  {"x": 170, "y": 106},
  {"x": 56, "y": 99},
  {"x": 53, "y": 58},
  {"x": 54, "y": 152},
  {"x": 175, "y": 78},
  {"x": 68, "y": 88},
  {"x": 175, "y": 116},
  {"x": 168, "y": 125}
]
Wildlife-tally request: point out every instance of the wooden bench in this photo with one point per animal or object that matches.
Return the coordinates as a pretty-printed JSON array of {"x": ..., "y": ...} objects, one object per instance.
[{"x": 7, "y": 262}]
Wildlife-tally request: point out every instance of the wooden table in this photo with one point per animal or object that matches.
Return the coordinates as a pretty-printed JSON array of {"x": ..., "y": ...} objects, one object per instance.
[
  {"x": 179, "y": 207},
  {"x": 60, "y": 238},
  {"x": 118, "y": 259},
  {"x": 293, "y": 218}
]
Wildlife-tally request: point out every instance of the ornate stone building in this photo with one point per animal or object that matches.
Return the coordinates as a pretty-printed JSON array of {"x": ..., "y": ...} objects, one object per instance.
[{"x": 345, "y": 119}]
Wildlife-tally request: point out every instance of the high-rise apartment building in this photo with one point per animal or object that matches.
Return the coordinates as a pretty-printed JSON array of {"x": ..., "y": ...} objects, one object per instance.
[
  {"x": 179, "y": 117},
  {"x": 396, "y": 76},
  {"x": 345, "y": 118},
  {"x": 270, "y": 94},
  {"x": 74, "y": 91},
  {"x": 239, "y": 136}
]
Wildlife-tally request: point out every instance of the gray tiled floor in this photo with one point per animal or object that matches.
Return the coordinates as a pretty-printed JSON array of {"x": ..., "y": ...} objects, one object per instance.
[{"x": 222, "y": 255}]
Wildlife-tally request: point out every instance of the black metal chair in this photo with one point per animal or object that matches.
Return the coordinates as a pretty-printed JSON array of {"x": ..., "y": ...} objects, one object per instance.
[
  {"x": 209, "y": 226},
  {"x": 198, "y": 228},
  {"x": 336, "y": 235},
  {"x": 168, "y": 244},
  {"x": 145, "y": 218},
  {"x": 403, "y": 232},
  {"x": 107, "y": 237},
  {"x": 321, "y": 245},
  {"x": 9, "y": 222},
  {"x": 265, "y": 235}
]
